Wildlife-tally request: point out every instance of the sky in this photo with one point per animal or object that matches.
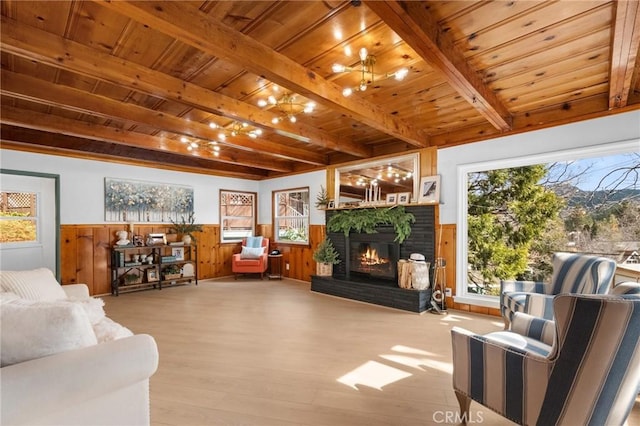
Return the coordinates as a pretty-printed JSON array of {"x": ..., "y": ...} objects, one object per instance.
[{"x": 590, "y": 171}]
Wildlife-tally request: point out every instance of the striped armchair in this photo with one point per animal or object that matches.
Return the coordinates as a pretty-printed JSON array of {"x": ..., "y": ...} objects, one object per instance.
[
  {"x": 588, "y": 374},
  {"x": 572, "y": 273}
]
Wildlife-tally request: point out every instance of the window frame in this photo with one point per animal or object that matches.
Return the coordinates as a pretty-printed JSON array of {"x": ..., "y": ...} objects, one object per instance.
[
  {"x": 37, "y": 219},
  {"x": 254, "y": 221},
  {"x": 463, "y": 170},
  {"x": 275, "y": 217}
]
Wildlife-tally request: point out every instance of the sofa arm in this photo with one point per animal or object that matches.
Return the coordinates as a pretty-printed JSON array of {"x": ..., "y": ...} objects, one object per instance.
[
  {"x": 79, "y": 291},
  {"x": 539, "y": 305},
  {"x": 33, "y": 388}
]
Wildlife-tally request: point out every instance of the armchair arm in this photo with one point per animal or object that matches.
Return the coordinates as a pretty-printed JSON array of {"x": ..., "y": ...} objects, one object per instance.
[
  {"x": 534, "y": 327},
  {"x": 45, "y": 385},
  {"x": 480, "y": 369},
  {"x": 522, "y": 286},
  {"x": 79, "y": 291},
  {"x": 539, "y": 305}
]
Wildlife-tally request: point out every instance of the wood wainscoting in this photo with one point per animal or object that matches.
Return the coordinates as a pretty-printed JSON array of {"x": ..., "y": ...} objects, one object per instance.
[{"x": 84, "y": 253}]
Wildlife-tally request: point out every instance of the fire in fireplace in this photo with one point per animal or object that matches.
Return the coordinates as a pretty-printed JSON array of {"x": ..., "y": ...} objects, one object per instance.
[{"x": 374, "y": 259}]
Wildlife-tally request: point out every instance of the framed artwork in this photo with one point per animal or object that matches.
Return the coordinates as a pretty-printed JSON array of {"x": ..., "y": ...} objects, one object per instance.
[
  {"x": 429, "y": 189},
  {"x": 392, "y": 198},
  {"x": 152, "y": 275},
  {"x": 404, "y": 198},
  {"x": 156, "y": 239},
  {"x": 178, "y": 253},
  {"x": 139, "y": 201}
]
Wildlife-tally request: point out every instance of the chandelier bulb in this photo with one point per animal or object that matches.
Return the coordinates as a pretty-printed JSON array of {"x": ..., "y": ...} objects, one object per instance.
[
  {"x": 213, "y": 125},
  {"x": 339, "y": 68},
  {"x": 262, "y": 103},
  {"x": 401, "y": 74},
  {"x": 272, "y": 100},
  {"x": 363, "y": 86},
  {"x": 363, "y": 54},
  {"x": 292, "y": 118},
  {"x": 275, "y": 120},
  {"x": 347, "y": 91}
]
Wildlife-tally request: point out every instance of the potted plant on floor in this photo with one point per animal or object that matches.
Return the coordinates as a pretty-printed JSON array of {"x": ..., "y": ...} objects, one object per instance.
[{"x": 325, "y": 256}]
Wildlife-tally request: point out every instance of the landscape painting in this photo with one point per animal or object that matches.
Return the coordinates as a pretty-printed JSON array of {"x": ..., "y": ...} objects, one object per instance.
[{"x": 140, "y": 201}]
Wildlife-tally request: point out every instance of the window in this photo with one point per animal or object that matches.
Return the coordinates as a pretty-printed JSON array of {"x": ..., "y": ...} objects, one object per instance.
[
  {"x": 515, "y": 213},
  {"x": 237, "y": 215},
  {"x": 18, "y": 217},
  {"x": 291, "y": 216}
]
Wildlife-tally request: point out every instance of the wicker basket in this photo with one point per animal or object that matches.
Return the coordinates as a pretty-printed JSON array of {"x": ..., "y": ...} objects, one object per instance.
[
  {"x": 324, "y": 269},
  {"x": 168, "y": 277}
]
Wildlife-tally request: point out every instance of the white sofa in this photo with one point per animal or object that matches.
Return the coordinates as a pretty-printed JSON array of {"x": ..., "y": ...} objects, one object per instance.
[{"x": 63, "y": 361}]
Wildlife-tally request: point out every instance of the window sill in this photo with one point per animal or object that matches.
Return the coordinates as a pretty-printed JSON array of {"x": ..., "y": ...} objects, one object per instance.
[{"x": 484, "y": 301}]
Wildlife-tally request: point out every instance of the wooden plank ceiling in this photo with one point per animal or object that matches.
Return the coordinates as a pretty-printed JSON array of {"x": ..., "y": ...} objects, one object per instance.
[{"x": 165, "y": 84}]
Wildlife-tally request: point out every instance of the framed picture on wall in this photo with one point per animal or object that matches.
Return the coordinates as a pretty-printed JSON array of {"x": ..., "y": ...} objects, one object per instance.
[
  {"x": 429, "y": 189},
  {"x": 391, "y": 198},
  {"x": 404, "y": 198}
]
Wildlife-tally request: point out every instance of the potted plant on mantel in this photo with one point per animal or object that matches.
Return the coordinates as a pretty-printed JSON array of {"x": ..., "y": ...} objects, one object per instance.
[
  {"x": 325, "y": 256},
  {"x": 186, "y": 227}
]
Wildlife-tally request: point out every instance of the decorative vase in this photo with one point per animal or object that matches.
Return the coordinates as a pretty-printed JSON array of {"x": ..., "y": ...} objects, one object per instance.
[
  {"x": 186, "y": 239},
  {"x": 324, "y": 269}
]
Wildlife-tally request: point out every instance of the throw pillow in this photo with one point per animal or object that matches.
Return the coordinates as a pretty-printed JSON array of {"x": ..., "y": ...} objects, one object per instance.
[
  {"x": 253, "y": 242},
  {"x": 251, "y": 253},
  {"x": 30, "y": 330},
  {"x": 36, "y": 284}
]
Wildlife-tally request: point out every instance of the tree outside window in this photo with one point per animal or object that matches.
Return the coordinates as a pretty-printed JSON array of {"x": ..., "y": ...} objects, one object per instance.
[{"x": 518, "y": 217}]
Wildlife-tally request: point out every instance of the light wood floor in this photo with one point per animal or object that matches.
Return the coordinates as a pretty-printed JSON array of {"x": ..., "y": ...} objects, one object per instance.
[{"x": 253, "y": 352}]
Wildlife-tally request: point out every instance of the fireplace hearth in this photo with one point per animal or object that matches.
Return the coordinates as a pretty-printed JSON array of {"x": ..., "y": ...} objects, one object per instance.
[{"x": 368, "y": 271}]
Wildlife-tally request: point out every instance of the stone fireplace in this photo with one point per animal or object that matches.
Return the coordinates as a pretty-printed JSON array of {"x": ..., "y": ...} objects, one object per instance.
[{"x": 368, "y": 269}]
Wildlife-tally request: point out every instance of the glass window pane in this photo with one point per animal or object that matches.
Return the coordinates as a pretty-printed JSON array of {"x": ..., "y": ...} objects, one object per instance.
[
  {"x": 237, "y": 215},
  {"x": 291, "y": 221},
  {"x": 18, "y": 217}
]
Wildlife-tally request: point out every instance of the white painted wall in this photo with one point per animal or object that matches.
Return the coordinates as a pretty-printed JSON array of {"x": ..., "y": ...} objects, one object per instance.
[
  {"x": 82, "y": 184},
  {"x": 590, "y": 133}
]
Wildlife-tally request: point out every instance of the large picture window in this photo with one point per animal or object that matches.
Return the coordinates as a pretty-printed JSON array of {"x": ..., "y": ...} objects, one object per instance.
[
  {"x": 237, "y": 215},
  {"x": 291, "y": 216},
  {"x": 514, "y": 214}
]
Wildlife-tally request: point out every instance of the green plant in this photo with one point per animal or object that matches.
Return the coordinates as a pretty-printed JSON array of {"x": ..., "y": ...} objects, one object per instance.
[
  {"x": 326, "y": 253},
  {"x": 186, "y": 226},
  {"x": 171, "y": 269},
  {"x": 366, "y": 220},
  {"x": 322, "y": 199}
]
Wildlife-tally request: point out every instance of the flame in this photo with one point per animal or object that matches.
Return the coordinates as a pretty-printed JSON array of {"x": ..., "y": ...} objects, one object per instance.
[{"x": 370, "y": 257}]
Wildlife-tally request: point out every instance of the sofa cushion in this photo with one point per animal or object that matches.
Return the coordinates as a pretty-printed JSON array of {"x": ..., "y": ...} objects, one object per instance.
[
  {"x": 35, "y": 284},
  {"x": 251, "y": 252},
  {"x": 34, "y": 329}
]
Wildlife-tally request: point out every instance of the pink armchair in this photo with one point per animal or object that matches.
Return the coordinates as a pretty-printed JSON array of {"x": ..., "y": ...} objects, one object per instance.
[{"x": 251, "y": 260}]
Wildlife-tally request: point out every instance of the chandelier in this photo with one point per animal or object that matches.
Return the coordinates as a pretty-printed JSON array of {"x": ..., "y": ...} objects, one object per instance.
[
  {"x": 192, "y": 144},
  {"x": 236, "y": 128},
  {"x": 288, "y": 107},
  {"x": 367, "y": 75}
]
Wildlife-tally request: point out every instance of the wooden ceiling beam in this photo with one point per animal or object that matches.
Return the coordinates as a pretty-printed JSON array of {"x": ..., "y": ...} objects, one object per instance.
[
  {"x": 29, "y": 88},
  {"x": 412, "y": 21},
  {"x": 46, "y": 122},
  {"x": 56, "y": 144},
  {"x": 186, "y": 23},
  {"x": 624, "y": 51},
  {"x": 35, "y": 44}
]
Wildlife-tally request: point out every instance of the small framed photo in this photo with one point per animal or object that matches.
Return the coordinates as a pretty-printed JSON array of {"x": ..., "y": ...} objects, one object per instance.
[
  {"x": 178, "y": 253},
  {"x": 404, "y": 198},
  {"x": 392, "y": 198},
  {"x": 331, "y": 204},
  {"x": 156, "y": 239},
  {"x": 152, "y": 275},
  {"x": 429, "y": 189}
]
